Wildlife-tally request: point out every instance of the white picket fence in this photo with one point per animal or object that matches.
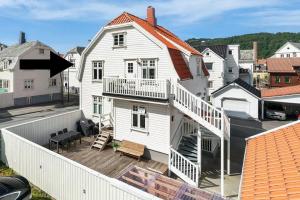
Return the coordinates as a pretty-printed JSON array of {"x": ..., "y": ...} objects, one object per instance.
[
  {"x": 6, "y": 99},
  {"x": 58, "y": 176}
]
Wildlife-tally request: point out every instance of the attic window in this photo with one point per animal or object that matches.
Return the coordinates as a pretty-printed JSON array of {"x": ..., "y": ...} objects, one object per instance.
[
  {"x": 207, "y": 53},
  {"x": 41, "y": 51},
  {"x": 230, "y": 52},
  {"x": 119, "y": 39}
]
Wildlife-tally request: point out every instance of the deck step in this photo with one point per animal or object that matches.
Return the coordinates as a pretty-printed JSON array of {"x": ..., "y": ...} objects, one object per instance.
[{"x": 101, "y": 140}]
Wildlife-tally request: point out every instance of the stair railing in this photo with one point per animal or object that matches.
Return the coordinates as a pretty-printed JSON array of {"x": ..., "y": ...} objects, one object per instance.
[{"x": 183, "y": 167}]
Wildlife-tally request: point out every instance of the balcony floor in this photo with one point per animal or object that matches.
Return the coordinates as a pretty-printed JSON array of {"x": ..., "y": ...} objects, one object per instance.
[{"x": 107, "y": 161}]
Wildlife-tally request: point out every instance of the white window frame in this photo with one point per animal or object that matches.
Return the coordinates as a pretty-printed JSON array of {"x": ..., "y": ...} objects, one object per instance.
[
  {"x": 52, "y": 82},
  {"x": 72, "y": 60},
  {"x": 97, "y": 105},
  {"x": 230, "y": 70},
  {"x": 149, "y": 64},
  {"x": 199, "y": 66},
  {"x": 118, "y": 36},
  {"x": 97, "y": 65},
  {"x": 210, "y": 84},
  {"x": 28, "y": 84},
  {"x": 138, "y": 110},
  {"x": 4, "y": 84}
]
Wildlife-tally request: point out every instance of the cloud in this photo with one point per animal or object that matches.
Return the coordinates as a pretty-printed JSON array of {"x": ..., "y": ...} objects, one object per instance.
[{"x": 183, "y": 12}]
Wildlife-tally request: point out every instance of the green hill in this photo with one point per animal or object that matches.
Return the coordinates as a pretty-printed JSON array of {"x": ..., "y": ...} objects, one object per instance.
[{"x": 268, "y": 43}]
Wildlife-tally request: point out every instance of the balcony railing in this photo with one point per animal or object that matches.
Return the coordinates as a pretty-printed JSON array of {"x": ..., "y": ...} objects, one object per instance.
[{"x": 146, "y": 88}]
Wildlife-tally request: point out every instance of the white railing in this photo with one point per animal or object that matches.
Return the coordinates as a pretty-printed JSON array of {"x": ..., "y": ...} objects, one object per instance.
[
  {"x": 58, "y": 176},
  {"x": 183, "y": 167},
  {"x": 150, "y": 88},
  {"x": 226, "y": 125},
  {"x": 198, "y": 109},
  {"x": 107, "y": 119}
]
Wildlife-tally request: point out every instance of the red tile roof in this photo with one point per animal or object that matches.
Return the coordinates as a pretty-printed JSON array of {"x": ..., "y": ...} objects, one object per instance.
[
  {"x": 282, "y": 64},
  {"x": 281, "y": 91},
  {"x": 167, "y": 38},
  {"x": 272, "y": 165}
]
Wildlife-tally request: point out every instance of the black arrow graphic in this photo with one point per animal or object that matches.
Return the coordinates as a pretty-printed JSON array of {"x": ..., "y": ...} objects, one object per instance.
[{"x": 56, "y": 64}]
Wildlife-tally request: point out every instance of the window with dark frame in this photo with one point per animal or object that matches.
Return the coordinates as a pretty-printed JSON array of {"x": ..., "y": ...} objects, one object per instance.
[
  {"x": 230, "y": 52},
  {"x": 209, "y": 66},
  {"x": 28, "y": 84},
  {"x": 277, "y": 79},
  {"x": 41, "y": 51},
  {"x": 287, "y": 79},
  {"x": 230, "y": 69},
  {"x": 210, "y": 84}
]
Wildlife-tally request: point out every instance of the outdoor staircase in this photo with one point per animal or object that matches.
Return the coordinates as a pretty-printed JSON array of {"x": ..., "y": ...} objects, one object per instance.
[
  {"x": 206, "y": 120},
  {"x": 101, "y": 140}
]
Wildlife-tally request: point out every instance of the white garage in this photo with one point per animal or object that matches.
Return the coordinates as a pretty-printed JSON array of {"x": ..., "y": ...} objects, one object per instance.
[{"x": 238, "y": 99}]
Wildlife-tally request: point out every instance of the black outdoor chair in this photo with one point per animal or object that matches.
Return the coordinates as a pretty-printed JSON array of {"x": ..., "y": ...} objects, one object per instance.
[
  {"x": 52, "y": 135},
  {"x": 65, "y": 130}
]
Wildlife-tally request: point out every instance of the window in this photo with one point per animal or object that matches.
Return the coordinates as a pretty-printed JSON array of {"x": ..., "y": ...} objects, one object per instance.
[
  {"x": 97, "y": 105},
  {"x": 230, "y": 69},
  {"x": 209, "y": 66},
  {"x": 210, "y": 84},
  {"x": 288, "y": 55},
  {"x": 5, "y": 65},
  {"x": 119, "y": 40},
  {"x": 139, "y": 117},
  {"x": 199, "y": 66},
  {"x": 4, "y": 84},
  {"x": 148, "y": 69},
  {"x": 130, "y": 68},
  {"x": 287, "y": 79},
  {"x": 282, "y": 55},
  {"x": 277, "y": 79},
  {"x": 97, "y": 70},
  {"x": 294, "y": 54},
  {"x": 230, "y": 52},
  {"x": 73, "y": 62},
  {"x": 207, "y": 53},
  {"x": 28, "y": 84},
  {"x": 52, "y": 82},
  {"x": 41, "y": 51}
]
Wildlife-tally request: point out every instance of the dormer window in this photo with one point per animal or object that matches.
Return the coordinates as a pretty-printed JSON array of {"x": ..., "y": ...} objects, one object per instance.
[
  {"x": 41, "y": 51},
  {"x": 119, "y": 39}
]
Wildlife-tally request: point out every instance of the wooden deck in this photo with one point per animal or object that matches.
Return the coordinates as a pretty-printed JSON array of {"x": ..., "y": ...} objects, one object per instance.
[{"x": 107, "y": 162}]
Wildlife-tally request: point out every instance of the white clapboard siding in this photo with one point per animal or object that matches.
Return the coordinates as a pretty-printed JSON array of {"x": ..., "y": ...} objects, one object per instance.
[
  {"x": 58, "y": 176},
  {"x": 6, "y": 99},
  {"x": 156, "y": 138}
]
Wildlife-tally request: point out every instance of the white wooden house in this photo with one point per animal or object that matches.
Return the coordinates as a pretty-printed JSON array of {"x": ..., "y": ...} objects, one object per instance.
[
  {"x": 70, "y": 75},
  {"x": 222, "y": 62},
  {"x": 26, "y": 87},
  {"x": 153, "y": 87},
  {"x": 288, "y": 50}
]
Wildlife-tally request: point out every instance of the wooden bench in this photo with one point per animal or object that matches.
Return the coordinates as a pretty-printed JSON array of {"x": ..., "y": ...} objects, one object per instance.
[{"x": 132, "y": 148}]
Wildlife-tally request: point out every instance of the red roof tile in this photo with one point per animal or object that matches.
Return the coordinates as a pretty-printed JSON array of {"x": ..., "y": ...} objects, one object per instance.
[
  {"x": 272, "y": 165},
  {"x": 282, "y": 64},
  {"x": 167, "y": 38},
  {"x": 281, "y": 91}
]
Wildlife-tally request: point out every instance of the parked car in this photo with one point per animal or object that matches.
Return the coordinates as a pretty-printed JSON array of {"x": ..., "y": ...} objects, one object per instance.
[
  {"x": 14, "y": 188},
  {"x": 276, "y": 112}
]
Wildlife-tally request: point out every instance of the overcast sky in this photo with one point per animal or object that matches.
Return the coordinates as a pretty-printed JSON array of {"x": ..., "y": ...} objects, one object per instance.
[{"x": 63, "y": 24}]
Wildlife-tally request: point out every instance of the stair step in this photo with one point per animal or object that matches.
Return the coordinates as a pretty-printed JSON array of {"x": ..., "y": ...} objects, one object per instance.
[
  {"x": 97, "y": 146},
  {"x": 99, "y": 142},
  {"x": 188, "y": 154},
  {"x": 188, "y": 149},
  {"x": 101, "y": 139}
]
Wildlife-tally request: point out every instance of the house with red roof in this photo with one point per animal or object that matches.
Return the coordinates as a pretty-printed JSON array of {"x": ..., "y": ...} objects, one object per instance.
[
  {"x": 151, "y": 88},
  {"x": 283, "y": 71}
]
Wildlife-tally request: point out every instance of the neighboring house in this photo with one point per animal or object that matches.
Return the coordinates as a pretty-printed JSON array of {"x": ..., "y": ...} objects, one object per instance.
[
  {"x": 247, "y": 61},
  {"x": 2, "y": 46},
  {"x": 27, "y": 86},
  {"x": 70, "y": 75},
  {"x": 238, "y": 99},
  {"x": 288, "y": 50},
  {"x": 261, "y": 77},
  {"x": 147, "y": 80},
  {"x": 222, "y": 62},
  {"x": 271, "y": 164},
  {"x": 284, "y": 71}
]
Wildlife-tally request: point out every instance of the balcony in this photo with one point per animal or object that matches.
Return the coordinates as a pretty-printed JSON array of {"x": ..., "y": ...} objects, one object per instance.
[{"x": 145, "y": 89}]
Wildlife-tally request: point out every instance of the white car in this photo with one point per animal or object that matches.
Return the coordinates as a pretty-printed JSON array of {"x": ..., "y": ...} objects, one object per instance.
[{"x": 276, "y": 114}]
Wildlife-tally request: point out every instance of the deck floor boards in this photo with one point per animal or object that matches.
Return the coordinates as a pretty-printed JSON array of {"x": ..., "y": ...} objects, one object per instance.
[{"x": 107, "y": 161}]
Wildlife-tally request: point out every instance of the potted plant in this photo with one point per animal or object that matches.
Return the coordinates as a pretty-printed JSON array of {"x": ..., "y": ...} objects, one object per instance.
[{"x": 115, "y": 145}]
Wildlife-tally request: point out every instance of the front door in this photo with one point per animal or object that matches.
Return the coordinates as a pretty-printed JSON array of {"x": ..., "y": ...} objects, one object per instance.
[{"x": 130, "y": 69}]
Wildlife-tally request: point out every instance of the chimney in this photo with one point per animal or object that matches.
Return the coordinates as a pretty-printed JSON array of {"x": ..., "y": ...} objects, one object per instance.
[
  {"x": 151, "y": 19},
  {"x": 255, "y": 52},
  {"x": 22, "y": 38}
]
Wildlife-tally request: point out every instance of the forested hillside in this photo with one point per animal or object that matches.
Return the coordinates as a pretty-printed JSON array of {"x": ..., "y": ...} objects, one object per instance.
[{"x": 268, "y": 43}]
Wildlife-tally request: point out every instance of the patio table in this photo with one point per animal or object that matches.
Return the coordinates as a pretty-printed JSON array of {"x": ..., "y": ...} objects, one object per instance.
[{"x": 64, "y": 137}]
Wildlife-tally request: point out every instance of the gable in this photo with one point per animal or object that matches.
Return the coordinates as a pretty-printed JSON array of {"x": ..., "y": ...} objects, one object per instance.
[{"x": 288, "y": 47}]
